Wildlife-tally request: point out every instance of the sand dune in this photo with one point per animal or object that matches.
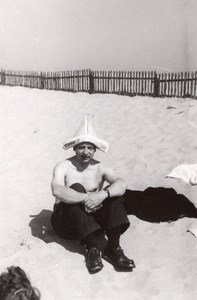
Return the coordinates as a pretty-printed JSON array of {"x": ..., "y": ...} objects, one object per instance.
[{"x": 148, "y": 138}]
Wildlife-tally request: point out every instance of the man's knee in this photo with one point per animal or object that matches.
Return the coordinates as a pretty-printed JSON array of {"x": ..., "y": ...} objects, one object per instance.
[
  {"x": 114, "y": 202},
  {"x": 78, "y": 187}
]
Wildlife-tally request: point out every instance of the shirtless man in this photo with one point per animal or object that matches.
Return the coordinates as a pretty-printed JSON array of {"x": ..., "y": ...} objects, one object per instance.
[{"x": 84, "y": 209}]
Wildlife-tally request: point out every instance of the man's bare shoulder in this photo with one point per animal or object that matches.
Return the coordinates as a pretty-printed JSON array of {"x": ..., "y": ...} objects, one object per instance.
[
  {"x": 108, "y": 172},
  {"x": 103, "y": 168},
  {"x": 64, "y": 164}
]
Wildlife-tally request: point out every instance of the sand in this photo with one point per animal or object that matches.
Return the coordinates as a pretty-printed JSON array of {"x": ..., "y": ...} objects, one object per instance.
[{"x": 148, "y": 137}]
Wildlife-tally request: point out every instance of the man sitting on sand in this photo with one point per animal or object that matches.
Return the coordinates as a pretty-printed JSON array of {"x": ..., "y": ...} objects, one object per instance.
[{"x": 84, "y": 209}]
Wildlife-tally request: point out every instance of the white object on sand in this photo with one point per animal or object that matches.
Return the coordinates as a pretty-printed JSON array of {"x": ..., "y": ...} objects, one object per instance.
[{"x": 186, "y": 172}]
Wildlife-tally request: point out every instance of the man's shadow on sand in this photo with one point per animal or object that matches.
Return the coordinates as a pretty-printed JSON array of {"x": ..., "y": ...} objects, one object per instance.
[
  {"x": 153, "y": 205},
  {"x": 41, "y": 228}
]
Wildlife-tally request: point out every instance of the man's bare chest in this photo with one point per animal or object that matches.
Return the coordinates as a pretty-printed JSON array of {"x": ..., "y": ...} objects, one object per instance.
[{"x": 90, "y": 178}]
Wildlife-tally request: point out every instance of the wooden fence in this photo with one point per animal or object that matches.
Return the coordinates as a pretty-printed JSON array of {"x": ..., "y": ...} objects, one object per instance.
[{"x": 182, "y": 84}]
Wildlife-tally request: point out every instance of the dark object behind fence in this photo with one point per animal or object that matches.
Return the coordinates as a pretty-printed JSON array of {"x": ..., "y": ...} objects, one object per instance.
[{"x": 182, "y": 84}]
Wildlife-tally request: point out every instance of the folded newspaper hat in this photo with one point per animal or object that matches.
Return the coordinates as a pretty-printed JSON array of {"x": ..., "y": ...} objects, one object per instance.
[{"x": 86, "y": 133}]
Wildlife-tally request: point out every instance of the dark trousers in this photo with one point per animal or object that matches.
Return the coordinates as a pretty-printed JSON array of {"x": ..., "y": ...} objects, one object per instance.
[{"x": 70, "y": 221}]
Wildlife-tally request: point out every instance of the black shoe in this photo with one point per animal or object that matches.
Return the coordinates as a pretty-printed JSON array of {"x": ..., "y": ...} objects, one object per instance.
[
  {"x": 93, "y": 261},
  {"x": 117, "y": 258}
]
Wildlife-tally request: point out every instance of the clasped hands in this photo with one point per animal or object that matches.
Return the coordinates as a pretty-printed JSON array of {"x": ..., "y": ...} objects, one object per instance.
[{"x": 93, "y": 201}]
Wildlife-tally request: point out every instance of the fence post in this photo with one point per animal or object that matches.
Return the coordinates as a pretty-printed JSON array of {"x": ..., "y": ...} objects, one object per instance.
[
  {"x": 156, "y": 85},
  {"x": 2, "y": 77},
  {"x": 41, "y": 80},
  {"x": 91, "y": 79}
]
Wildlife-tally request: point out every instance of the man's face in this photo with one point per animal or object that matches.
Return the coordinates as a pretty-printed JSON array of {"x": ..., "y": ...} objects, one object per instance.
[{"x": 84, "y": 152}]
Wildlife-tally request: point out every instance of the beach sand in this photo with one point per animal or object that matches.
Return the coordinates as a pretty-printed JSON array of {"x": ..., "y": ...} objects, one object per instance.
[{"x": 148, "y": 137}]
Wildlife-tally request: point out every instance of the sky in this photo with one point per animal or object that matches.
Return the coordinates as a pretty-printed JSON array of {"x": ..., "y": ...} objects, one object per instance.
[{"x": 133, "y": 35}]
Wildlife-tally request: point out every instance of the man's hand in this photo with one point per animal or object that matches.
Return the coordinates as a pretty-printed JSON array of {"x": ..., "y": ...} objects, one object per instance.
[{"x": 93, "y": 201}]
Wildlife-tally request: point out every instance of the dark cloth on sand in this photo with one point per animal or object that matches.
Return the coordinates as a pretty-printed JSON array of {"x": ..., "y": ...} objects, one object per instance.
[{"x": 158, "y": 204}]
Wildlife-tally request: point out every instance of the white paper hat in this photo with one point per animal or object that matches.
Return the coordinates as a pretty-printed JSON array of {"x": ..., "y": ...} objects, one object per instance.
[{"x": 86, "y": 133}]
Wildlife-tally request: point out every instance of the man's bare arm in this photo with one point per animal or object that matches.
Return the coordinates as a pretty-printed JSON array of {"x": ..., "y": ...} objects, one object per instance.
[
  {"x": 67, "y": 195},
  {"x": 117, "y": 186},
  {"x": 64, "y": 194}
]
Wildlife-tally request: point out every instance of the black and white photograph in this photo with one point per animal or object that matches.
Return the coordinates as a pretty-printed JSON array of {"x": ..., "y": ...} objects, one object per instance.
[{"x": 98, "y": 149}]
